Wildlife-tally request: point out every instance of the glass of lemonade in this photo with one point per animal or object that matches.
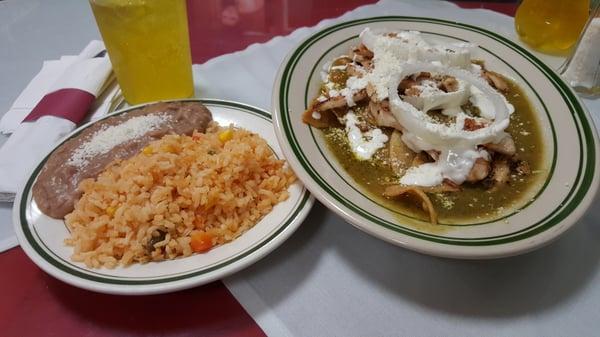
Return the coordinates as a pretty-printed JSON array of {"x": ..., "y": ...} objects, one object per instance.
[
  {"x": 148, "y": 45},
  {"x": 551, "y": 26}
]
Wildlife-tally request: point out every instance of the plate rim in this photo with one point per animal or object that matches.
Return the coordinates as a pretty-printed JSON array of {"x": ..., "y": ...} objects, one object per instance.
[
  {"x": 417, "y": 244},
  {"x": 116, "y": 285}
]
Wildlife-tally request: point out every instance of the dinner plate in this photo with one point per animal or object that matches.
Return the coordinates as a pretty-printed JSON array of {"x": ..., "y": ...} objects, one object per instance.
[
  {"x": 571, "y": 146},
  {"x": 41, "y": 237}
]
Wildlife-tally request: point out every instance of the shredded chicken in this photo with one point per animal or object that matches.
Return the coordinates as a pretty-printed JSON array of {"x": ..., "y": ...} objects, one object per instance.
[
  {"x": 342, "y": 60},
  {"x": 449, "y": 84},
  {"x": 423, "y": 75},
  {"x": 365, "y": 120},
  {"x": 495, "y": 80},
  {"x": 339, "y": 101},
  {"x": 409, "y": 86},
  {"x": 412, "y": 91},
  {"x": 363, "y": 51},
  {"x": 363, "y": 56},
  {"x": 479, "y": 171},
  {"x": 434, "y": 154},
  {"x": 406, "y": 84},
  {"x": 380, "y": 111},
  {"x": 500, "y": 174},
  {"x": 472, "y": 125},
  {"x": 354, "y": 70},
  {"x": 325, "y": 118},
  {"x": 446, "y": 186},
  {"x": 506, "y": 146},
  {"x": 420, "y": 159},
  {"x": 521, "y": 167}
]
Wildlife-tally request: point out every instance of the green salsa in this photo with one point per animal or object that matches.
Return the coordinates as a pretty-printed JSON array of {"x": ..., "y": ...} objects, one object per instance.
[{"x": 474, "y": 203}]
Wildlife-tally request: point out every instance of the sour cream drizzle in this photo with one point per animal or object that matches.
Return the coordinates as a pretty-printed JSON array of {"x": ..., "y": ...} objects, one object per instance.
[
  {"x": 364, "y": 145},
  {"x": 401, "y": 54},
  {"x": 458, "y": 148}
]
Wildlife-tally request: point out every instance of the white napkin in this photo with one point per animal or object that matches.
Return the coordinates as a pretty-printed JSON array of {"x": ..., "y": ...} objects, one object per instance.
[
  {"x": 31, "y": 141},
  {"x": 52, "y": 76},
  {"x": 33, "y": 93}
]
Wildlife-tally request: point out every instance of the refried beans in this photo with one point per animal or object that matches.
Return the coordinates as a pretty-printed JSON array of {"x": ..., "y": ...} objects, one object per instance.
[{"x": 119, "y": 137}]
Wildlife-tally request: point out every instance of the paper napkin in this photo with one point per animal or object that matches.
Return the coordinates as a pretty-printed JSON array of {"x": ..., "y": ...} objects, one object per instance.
[{"x": 56, "y": 100}]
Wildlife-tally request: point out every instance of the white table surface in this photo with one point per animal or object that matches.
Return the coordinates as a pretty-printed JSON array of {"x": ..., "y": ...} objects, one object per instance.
[{"x": 554, "y": 291}]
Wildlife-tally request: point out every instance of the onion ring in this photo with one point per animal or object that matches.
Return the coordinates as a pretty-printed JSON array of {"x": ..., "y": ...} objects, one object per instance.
[{"x": 439, "y": 135}]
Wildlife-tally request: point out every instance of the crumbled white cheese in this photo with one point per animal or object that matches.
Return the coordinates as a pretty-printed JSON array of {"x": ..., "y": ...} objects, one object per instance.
[
  {"x": 107, "y": 138},
  {"x": 390, "y": 53},
  {"x": 356, "y": 83},
  {"x": 386, "y": 65},
  {"x": 325, "y": 72},
  {"x": 349, "y": 96}
]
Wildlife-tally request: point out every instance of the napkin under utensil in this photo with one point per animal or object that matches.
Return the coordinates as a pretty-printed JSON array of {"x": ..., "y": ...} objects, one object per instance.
[{"x": 58, "y": 99}]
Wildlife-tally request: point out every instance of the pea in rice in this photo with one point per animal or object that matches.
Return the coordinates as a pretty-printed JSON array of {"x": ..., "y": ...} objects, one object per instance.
[{"x": 180, "y": 195}]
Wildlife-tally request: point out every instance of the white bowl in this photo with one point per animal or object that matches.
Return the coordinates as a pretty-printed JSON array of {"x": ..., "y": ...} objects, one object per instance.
[{"x": 571, "y": 146}]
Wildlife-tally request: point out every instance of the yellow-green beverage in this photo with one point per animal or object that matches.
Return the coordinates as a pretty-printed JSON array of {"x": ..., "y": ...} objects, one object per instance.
[
  {"x": 551, "y": 26},
  {"x": 148, "y": 45}
]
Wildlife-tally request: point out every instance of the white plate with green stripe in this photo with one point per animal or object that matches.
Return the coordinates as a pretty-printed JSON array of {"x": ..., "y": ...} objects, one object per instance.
[
  {"x": 571, "y": 147},
  {"x": 42, "y": 237}
]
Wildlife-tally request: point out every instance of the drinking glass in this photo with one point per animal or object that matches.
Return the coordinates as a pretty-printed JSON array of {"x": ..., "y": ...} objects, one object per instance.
[
  {"x": 551, "y": 26},
  {"x": 148, "y": 45},
  {"x": 582, "y": 69}
]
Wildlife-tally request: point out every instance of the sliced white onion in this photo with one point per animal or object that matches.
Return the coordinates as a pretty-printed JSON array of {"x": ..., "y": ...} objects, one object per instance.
[
  {"x": 439, "y": 135},
  {"x": 370, "y": 37},
  {"x": 452, "y": 54},
  {"x": 402, "y": 46}
]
